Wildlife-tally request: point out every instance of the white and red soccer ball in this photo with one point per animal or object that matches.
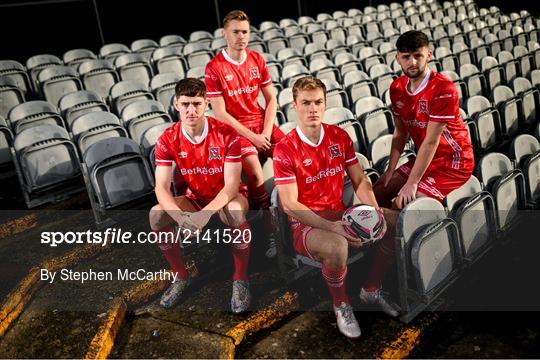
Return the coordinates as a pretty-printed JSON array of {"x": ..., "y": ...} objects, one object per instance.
[{"x": 366, "y": 222}]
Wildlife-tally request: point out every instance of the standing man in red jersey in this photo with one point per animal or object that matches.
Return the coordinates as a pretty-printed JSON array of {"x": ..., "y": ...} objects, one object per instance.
[
  {"x": 233, "y": 79},
  {"x": 309, "y": 167},
  {"x": 425, "y": 105},
  {"x": 207, "y": 154}
]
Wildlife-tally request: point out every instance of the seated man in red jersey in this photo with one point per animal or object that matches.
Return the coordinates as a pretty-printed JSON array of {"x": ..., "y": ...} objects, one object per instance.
[
  {"x": 233, "y": 79},
  {"x": 207, "y": 154},
  {"x": 425, "y": 105},
  {"x": 311, "y": 194}
]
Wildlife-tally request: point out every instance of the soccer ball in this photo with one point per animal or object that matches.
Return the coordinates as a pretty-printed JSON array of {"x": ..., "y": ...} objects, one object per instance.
[{"x": 365, "y": 222}]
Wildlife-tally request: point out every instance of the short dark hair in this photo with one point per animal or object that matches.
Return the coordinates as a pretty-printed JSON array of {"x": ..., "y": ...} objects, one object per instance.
[
  {"x": 411, "y": 41},
  {"x": 308, "y": 83},
  {"x": 190, "y": 87},
  {"x": 237, "y": 15}
]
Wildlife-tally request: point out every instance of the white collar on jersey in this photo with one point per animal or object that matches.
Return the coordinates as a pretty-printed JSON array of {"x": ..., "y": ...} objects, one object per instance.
[
  {"x": 422, "y": 84},
  {"x": 305, "y": 139},
  {"x": 229, "y": 59},
  {"x": 203, "y": 135}
]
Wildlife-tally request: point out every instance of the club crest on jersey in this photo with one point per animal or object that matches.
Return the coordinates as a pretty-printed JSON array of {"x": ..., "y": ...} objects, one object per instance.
[
  {"x": 423, "y": 106},
  {"x": 254, "y": 73},
  {"x": 334, "y": 151},
  {"x": 213, "y": 153}
]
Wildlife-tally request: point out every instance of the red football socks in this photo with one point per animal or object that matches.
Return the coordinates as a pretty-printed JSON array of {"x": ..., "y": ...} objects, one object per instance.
[{"x": 335, "y": 279}]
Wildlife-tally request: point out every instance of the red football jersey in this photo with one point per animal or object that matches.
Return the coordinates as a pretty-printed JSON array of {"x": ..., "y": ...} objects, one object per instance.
[
  {"x": 201, "y": 164},
  {"x": 436, "y": 99},
  {"x": 317, "y": 169},
  {"x": 239, "y": 84}
]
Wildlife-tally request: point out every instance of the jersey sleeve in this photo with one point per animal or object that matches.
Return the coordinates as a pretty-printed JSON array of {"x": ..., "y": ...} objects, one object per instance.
[
  {"x": 163, "y": 153},
  {"x": 393, "y": 93},
  {"x": 233, "y": 153},
  {"x": 265, "y": 73},
  {"x": 350, "y": 154},
  {"x": 211, "y": 80},
  {"x": 444, "y": 104},
  {"x": 283, "y": 166}
]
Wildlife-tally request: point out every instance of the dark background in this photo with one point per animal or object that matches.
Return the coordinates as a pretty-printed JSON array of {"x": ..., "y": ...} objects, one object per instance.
[{"x": 57, "y": 26}]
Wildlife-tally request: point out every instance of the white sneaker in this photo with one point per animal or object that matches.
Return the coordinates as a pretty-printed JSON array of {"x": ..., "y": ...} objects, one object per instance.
[
  {"x": 377, "y": 298},
  {"x": 346, "y": 322},
  {"x": 171, "y": 296},
  {"x": 241, "y": 297}
]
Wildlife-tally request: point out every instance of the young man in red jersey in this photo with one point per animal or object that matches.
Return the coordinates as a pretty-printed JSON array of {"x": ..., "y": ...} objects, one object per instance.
[
  {"x": 309, "y": 168},
  {"x": 233, "y": 79},
  {"x": 207, "y": 154},
  {"x": 425, "y": 105}
]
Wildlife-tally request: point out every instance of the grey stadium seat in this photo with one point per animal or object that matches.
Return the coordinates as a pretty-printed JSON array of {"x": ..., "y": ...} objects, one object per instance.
[
  {"x": 118, "y": 175},
  {"x": 529, "y": 100},
  {"x": 473, "y": 78},
  {"x": 506, "y": 185},
  {"x": 525, "y": 151},
  {"x": 358, "y": 84},
  {"x": 145, "y": 47},
  {"x": 6, "y": 141},
  {"x": 133, "y": 67},
  {"x": 37, "y": 63},
  {"x": 169, "y": 59},
  {"x": 510, "y": 65},
  {"x": 337, "y": 115},
  {"x": 126, "y": 92},
  {"x": 10, "y": 95},
  {"x": 151, "y": 135},
  {"x": 163, "y": 85},
  {"x": 92, "y": 127},
  {"x": 78, "y": 103},
  {"x": 16, "y": 71},
  {"x": 112, "y": 51},
  {"x": 47, "y": 164},
  {"x": 172, "y": 41},
  {"x": 197, "y": 53},
  {"x": 509, "y": 107},
  {"x": 76, "y": 57},
  {"x": 428, "y": 254},
  {"x": 374, "y": 117},
  {"x": 196, "y": 72},
  {"x": 141, "y": 115},
  {"x": 98, "y": 76},
  {"x": 33, "y": 113},
  {"x": 473, "y": 210},
  {"x": 293, "y": 72},
  {"x": 487, "y": 119},
  {"x": 493, "y": 72},
  {"x": 335, "y": 95},
  {"x": 56, "y": 81}
]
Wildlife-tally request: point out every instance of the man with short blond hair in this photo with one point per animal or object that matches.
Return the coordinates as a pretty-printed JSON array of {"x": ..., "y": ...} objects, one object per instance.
[
  {"x": 309, "y": 167},
  {"x": 233, "y": 79}
]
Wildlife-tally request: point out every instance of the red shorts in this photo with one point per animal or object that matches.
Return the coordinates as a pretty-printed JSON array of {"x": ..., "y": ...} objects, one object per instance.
[
  {"x": 200, "y": 203},
  {"x": 247, "y": 148},
  {"x": 438, "y": 180},
  {"x": 300, "y": 232}
]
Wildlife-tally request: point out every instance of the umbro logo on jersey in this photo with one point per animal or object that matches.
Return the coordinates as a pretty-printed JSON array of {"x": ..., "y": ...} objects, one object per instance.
[
  {"x": 254, "y": 73},
  {"x": 182, "y": 154},
  {"x": 334, "y": 151},
  {"x": 229, "y": 77},
  {"x": 307, "y": 162},
  {"x": 213, "y": 153},
  {"x": 400, "y": 104},
  {"x": 423, "y": 106}
]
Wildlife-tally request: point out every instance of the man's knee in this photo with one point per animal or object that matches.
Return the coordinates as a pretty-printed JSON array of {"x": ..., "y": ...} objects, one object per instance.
[
  {"x": 235, "y": 211},
  {"x": 335, "y": 252},
  {"x": 155, "y": 216}
]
